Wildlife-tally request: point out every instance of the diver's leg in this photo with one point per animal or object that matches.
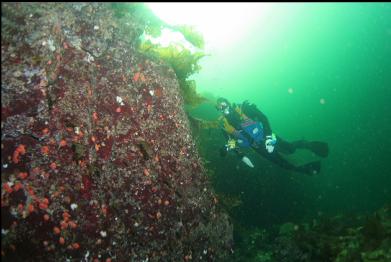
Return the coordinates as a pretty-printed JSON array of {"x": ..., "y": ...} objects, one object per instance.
[
  {"x": 319, "y": 148},
  {"x": 277, "y": 158},
  {"x": 284, "y": 146}
]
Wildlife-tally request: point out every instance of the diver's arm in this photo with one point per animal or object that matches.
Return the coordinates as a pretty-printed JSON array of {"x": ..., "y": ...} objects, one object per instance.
[
  {"x": 224, "y": 149},
  {"x": 244, "y": 158},
  {"x": 225, "y": 134},
  {"x": 238, "y": 153},
  {"x": 231, "y": 147}
]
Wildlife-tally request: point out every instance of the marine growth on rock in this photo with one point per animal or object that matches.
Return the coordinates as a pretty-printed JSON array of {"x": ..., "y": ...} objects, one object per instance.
[{"x": 98, "y": 162}]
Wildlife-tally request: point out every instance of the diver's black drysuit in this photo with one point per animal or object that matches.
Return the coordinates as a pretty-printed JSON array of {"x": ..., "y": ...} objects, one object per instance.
[{"x": 282, "y": 146}]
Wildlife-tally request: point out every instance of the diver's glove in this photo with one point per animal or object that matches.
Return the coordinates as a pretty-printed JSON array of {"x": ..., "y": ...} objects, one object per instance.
[
  {"x": 247, "y": 161},
  {"x": 270, "y": 142},
  {"x": 231, "y": 144}
]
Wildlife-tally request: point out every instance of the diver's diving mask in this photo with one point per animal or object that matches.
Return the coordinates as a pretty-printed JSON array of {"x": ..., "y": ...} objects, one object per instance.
[{"x": 224, "y": 108}]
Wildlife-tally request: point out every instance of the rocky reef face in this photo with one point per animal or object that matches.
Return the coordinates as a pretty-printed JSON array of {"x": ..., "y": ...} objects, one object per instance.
[
  {"x": 342, "y": 238},
  {"x": 98, "y": 162}
]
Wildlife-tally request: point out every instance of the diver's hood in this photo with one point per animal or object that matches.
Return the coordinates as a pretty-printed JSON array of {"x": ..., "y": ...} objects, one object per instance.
[{"x": 223, "y": 106}]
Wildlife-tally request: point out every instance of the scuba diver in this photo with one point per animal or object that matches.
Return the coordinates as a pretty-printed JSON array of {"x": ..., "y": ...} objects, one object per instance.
[{"x": 245, "y": 126}]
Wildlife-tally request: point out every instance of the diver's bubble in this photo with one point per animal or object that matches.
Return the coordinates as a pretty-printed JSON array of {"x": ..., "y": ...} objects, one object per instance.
[
  {"x": 290, "y": 90},
  {"x": 322, "y": 101}
]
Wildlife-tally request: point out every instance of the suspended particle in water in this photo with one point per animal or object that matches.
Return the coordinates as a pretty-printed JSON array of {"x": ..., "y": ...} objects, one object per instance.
[
  {"x": 290, "y": 90},
  {"x": 322, "y": 101}
]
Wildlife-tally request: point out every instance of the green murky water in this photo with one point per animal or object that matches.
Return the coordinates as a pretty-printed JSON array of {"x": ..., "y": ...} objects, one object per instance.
[{"x": 319, "y": 72}]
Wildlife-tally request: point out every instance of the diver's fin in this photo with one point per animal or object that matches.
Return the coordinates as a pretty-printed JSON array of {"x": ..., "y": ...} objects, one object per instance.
[
  {"x": 319, "y": 148},
  {"x": 312, "y": 168}
]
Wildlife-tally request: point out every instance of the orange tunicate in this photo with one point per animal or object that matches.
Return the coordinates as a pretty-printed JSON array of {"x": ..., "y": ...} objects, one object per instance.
[
  {"x": 146, "y": 172},
  {"x": 118, "y": 110},
  {"x": 31, "y": 208},
  {"x": 20, "y": 150},
  {"x": 95, "y": 116},
  {"x": 136, "y": 76},
  {"x": 46, "y": 217},
  {"x": 93, "y": 139},
  {"x": 45, "y": 131},
  {"x": 20, "y": 208},
  {"x": 215, "y": 200},
  {"x": 22, "y": 175},
  {"x": 46, "y": 201},
  {"x": 76, "y": 245},
  {"x": 72, "y": 224},
  {"x": 7, "y": 188},
  {"x": 82, "y": 163},
  {"x": 53, "y": 165},
  {"x": 61, "y": 241},
  {"x": 166, "y": 203},
  {"x": 63, "y": 224},
  {"x": 55, "y": 194},
  {"x": 18, "y": 186},
  {"x": 159, "y": 92},
  {"x": 63, "y": 143},
  {"x": 97, "y": 147},
  {"x": 66, "y": 216},
  {"x": 104, "y": 210},
  {"x": 67, "y": 199},
  {"x": 52, "y": 141},
  {"x": 30, "y": 190},
  {"x": 108, "y": 259},
  {"x": 56, "y": 230},
  {"x": 43, "y": 206},
  {"x": 35, "y": 170},
  {"x": 158, "y": 215},
  {"x": 45, "y": 150}
]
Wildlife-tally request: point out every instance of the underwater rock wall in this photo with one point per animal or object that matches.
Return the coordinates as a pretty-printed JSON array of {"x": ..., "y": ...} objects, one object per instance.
[
  {"x": 341, "y": 238},
  {"x": 98, "y": 162}
]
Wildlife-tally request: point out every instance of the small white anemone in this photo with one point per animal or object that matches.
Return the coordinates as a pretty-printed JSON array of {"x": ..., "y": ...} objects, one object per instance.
[
  {"x": 73, "y": 206},
  {"x": 51, "y": 45},
  {"x": 120, "y": 101}
]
